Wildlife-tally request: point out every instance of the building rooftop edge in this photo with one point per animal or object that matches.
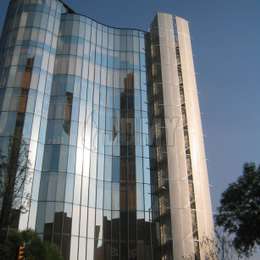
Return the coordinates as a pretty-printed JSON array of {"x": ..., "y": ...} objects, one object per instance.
[
  {"x": 114, "y": 27},
  {"x": 176, "y": 16}
]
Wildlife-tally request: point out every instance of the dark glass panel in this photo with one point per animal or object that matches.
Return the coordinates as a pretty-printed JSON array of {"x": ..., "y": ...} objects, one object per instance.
[
  {"x": 99, "y": 250},
  {"x": 123, "y": 196},
  {"x": 132, "y": 253},
  {"x": 140, "y": 250},
  {"x": 132, "y": 225},
  {"x": 148, "y": 252},
  {"x": 57, "y": 240},
  {"x": 107, "y": 224},
  {"x": 26, "y": 81},
  {"x": 123, "y": 225},
  {"x": 140, "y": 222},
  {"x": 123, "y": 168},
  {"x": 7, "y": 123},
  {"x": 67, "y": 112},
  {"x": 52, "y": 158},
  {"x": 116, "y": 169},
  {"x": 115, "y": 250},
  {"x": 132, "y": 193},
  {"x": 123, "y": 251},
  {"x": 115, "y": 225},
  {"x": 131, "y": 171},
  {"x": 107, "y": 250}
]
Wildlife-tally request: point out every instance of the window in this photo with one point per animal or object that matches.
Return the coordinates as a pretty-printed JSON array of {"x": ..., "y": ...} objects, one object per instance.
[
  {"x": 92, "y": 194},
  {"x": 139, "y": 170},
  {"x": 115, "y": 196},
  {"x": 99, "y": 36},
  {"x": 108, "y": 168},
  {"x": 67, "y": 112},
  {"x": 104, "y": 38},
  {"x": 85, "y": 190},
  {"x": 111, "y": 40},
  {"x": 75, "y": 220},
  {"x": 116, "y": 169},
  {"x": 107, "y": 195},
  {"x": 139, "y": 196},
  {"x": 147, "y": 197},
  {"x": 61, "y": 184},
  {"x": 100, "y": 166},
  {"x": 77, "y": 190},
  {"x": 100, "y": 189},
  {"x": 93, "y": 165},
  {"x": 99, "y": 224}
]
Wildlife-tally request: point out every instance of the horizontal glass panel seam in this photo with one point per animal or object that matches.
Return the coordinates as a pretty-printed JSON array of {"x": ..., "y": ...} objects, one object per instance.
[{"x": 16, "y": 29}]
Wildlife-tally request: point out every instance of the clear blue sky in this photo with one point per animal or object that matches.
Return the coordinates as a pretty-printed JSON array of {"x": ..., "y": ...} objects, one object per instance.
[{"x": 226, "y": 46}]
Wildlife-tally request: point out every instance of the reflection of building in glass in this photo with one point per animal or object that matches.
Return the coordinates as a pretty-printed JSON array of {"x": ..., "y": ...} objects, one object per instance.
[
  {"x": 59, "y": 232},
  {"x": 112, "y": 122}
]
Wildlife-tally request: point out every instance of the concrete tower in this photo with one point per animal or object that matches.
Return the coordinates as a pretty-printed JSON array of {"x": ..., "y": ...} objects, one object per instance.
[{"x": 110, "y": 118}]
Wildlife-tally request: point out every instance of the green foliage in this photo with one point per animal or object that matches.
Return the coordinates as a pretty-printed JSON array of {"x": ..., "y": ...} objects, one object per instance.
[
  {"x": 14, "y": 176},
  {"x": 51, "y": 252},
  {"x": 239, "y": 212},
  {"x": 35, "y": 248}
]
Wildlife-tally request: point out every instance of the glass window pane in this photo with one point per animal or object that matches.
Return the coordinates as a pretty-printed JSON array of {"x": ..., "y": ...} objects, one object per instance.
[
  {"x": 90, "y": 250},
  {"x": 140, "y": 196},
  {"x": 92, "y": 193},
  {"x": 116, "y": 169},
  {"x": 75, "y": 220},
  {"x": 115, "y": 196},
  {"x": 85, "y": 189},
  {"x": 100, "y": 189},
  {"x": 108, "y": 168},
  {"x": 91, "y": 223},
  {"x": 107, "y": 195},
  {"x": 139, "y": 169},
  {"x": 99, "y": 224},
  {"x": 69, "y": 188}
]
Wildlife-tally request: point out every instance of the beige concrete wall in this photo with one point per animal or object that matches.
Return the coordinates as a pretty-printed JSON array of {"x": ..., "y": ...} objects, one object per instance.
[
  {"x": 178, "y": 182},
  {"x": 183, "y": 244},
  {"x": 198, "y": 157}
]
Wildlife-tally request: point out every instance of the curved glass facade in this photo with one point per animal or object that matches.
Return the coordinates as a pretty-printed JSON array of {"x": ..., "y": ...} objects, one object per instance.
[
  {"x": 96, "y": 162},
  {"x": 87, "y": 101},
  {"x": 85, "y": 119}
]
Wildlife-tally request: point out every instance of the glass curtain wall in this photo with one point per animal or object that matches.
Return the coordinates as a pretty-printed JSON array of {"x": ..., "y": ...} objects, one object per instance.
[
  {"x": 28, "y": 47},
  {"x": 88, "y": 104},
  {"x": 96, "y": 157},
  {"x": 75, "y": 91}
]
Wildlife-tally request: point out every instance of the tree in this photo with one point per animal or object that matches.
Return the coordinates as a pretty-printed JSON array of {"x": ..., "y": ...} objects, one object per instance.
[
  {"x": 239, "y": 212},
  {"x": 224, "y": 246},
  {"x": 35, "y": 248},
  {"x": 13, "y": 177},
  {"x": 217, "y": 247},
  {"x": 51, "y": 252}
]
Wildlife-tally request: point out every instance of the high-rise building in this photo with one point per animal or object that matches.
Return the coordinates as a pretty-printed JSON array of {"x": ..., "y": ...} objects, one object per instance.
[{"x": 111, "y": 121}]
